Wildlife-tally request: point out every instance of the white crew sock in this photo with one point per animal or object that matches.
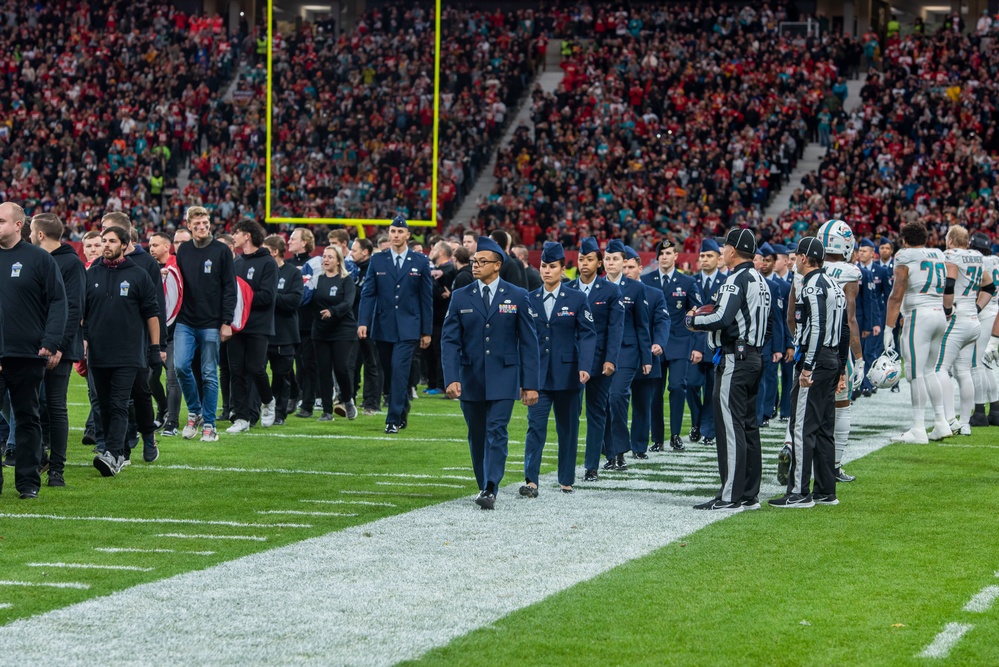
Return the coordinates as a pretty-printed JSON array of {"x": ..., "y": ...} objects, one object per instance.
[{"x": 842, "y": 431}]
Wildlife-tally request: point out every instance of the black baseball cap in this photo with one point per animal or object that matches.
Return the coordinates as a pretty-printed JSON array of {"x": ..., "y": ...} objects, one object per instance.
[
  {"x": 742, "y": 240},
  {"x": 811, "y": 247}
]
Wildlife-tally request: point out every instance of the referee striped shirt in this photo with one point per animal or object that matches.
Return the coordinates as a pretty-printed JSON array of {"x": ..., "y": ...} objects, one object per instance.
[
  {"x": 820, "y": 312},
  {"x": 742, "y": 311}
]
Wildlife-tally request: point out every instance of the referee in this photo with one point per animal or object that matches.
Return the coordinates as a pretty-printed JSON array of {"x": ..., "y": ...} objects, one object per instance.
[
  {"x": 737, "y": 328},
  {"x": 820, "y": 313}
]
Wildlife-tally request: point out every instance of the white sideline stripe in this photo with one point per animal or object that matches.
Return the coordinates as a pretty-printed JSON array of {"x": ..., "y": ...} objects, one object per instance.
[
  {"x": 348, "y": 502},
  {"x": 92, "y": 566},
  {"x": 983, "y": 599},
  {"x": 286, "y": 471},
  {"x": 386, "y": 493},
  {"x": 946, "y": 640},
  {"x": 5, "y": 605},
  {"x": 187, "y": 536},
  {"x": 45, "y": 584},
  {"x": 421, "y": 484},
  {"x": 125, "y": 550},
  {"x": 119, "y": 519},
  {"x": 301, "y": 513},
  {"x": 359, "y": 578}
]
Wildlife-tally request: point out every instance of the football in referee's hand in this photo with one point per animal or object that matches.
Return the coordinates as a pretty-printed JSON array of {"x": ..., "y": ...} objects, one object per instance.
[{"x": 706, "y": 309}]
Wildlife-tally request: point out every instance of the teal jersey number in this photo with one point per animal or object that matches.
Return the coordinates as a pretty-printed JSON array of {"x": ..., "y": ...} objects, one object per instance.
[{"x": 937, "y": 272}]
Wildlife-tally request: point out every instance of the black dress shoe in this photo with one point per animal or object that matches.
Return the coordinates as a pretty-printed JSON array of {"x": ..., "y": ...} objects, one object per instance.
[
  {"x": 29, "y": 493},
  {"x": 639, "y": 455},
  {"x": 567, "y": 489},
  {"x": 611, "y": 464},
  {"x": 591, "y": 476},
  {"x": 529, "y": 491},
  {"x": 677, "y": 444},
  {"x": 620, "y": 463},
  {"x": 656, "y": 447},
  {"x": 89, "y": 438},
  {"x": 405, "y": 421},
  {"x": 784, "y": 420},
  {"x": 56, "y": 478},
  {"x": 486, "y": 501},
  {"x": 765, "y": 423},
  {"x": 695, "y": 434},
  {"x": 708, "y": 442},
  {"x": 391, "y": 429}
]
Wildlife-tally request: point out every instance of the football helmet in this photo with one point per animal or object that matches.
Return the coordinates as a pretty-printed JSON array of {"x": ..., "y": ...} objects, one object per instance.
[
  {"x": 886, "y": 370},
  {"x": 837, "y": 238}
]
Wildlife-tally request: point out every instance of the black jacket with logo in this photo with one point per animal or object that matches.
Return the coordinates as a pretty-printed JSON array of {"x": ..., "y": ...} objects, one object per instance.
[
  {"x": 119, "y": 301},
  {"x": 33, "y": 301}
]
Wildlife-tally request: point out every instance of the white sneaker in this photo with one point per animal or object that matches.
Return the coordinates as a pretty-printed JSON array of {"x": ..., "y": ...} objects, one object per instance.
[
  {"x": 914, "y": 436},
  {"x": 267, "y": 414},
  {"x": 940, "y": 431},
  {"x": 238, "y": 426},
  {"x": 209, "y": 434},
  {"x": 955, "y": 425},
  {"x": 193, "y": 424},
  {"x": 964, "y": 429}
]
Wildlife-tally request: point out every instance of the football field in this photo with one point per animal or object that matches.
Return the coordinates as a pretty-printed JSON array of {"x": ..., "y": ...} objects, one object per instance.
[{"x": 338, "y": 545}]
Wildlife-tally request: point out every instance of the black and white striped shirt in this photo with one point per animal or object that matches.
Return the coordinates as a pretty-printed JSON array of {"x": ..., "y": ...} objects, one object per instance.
[
  {"x": 742, "y": 311},
  {"x": 820, "y": 313}
]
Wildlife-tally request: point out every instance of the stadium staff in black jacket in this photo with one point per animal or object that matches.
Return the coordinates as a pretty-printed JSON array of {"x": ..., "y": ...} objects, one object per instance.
[
  {"x": 122, "y": 329},
  {"x": 248, "y": 347},
  {"x": 33, "y": 306},
  {"x": 46, "y": 233},
  {"x": 142, "y": 397},
  {"x": 334, "y": 330},
  {"x": 281, "y": 346}
]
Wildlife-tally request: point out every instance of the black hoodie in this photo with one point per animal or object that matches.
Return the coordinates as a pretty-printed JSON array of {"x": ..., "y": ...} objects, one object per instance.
[
  {"x": 74, "y": 276},
  {"x": 259, "y": 270},
  {"x": 120, "y": 299}
]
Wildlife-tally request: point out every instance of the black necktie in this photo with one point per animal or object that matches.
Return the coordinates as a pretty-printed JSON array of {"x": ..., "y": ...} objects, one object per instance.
[
  {"x": 485, "y": 296},
  {"x": 707, "y": 285},
  {"x": 398, "y": 263}
]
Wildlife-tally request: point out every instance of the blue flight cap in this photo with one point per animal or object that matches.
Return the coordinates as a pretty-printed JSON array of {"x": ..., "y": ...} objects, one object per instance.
[
  {"x": 588, "y": 245},
  {"x": 867, "y": 243},
  {"x": 486, "y": 243},
  {"x": 792, "y": 247},
  {"x": 766, "y": 250},
  {"x": 710, "y": 245},
  {"x": 631, "y": 253},
  {"x": 615, "y": 245},
  {"x": 552, "y": 252},
  {"x": 780, "y": 249},
  {"x": 399, "y": 221}
]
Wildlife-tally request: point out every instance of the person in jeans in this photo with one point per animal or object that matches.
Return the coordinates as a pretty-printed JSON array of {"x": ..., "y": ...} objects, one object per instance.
[
  {"x": 204, "y": 321},
  {"x": 334, "y": 330}
]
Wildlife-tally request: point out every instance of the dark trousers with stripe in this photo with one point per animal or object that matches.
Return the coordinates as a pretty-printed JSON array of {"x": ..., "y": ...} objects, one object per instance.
[
  {"x": 740, "y": 460},
  {"x": 597, "y": 391},
  {"x": 487, "y": 423},
  {"x": 566, "y": 405},
  {"x": 813, "y": 427}
]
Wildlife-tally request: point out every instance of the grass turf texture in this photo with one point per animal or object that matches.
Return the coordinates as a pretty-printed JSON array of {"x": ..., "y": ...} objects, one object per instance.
[{"x": 875, "y": 579}]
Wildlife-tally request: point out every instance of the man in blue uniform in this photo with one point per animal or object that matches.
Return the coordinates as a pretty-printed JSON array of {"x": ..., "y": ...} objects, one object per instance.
[
  {"x": 775, "y": 347},
  {"x": 702, "y": 414},
  {"x": 397, "y": 311},
  {"x": 681, "y": 295},
  {"x": 608, "y": 321},
  {"x": 635, "y": 357},
  {"x": 489, "y": 348},
  {"x": 643, "y": 387},
  {"x": 784, "y": 273},
  {"x": 869, "y": 318},
  {"x": 566, "y": 337},
  {"x": 874, "y": 344}
]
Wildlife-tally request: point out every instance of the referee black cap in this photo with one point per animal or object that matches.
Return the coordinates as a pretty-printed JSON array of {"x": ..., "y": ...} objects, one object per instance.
[
  {"x": 811, "y": 247},
  {"x": 742, "y": 240}
]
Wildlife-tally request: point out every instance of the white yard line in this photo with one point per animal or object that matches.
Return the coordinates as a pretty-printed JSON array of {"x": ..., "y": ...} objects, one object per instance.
[
  {"x": 5, "y": 605},
  {"x": 982, "y": 600},
  {"x": 301, "y": 513},
  {"x": 386, "y": 493},
  {"x": 92, "y": 566},
  {"x": 421, "y": 485},
  {"x": 45, "y": 584},
  {"x": 125, "y": 550},
  {"x": 119, "y": 519},
  {"x": 187, "y": 536},
  {"x": 286, "y": 471},
  {"x": 385, "y": 591},
  {"x": 946, "y": 640},
  {"x": 348, "y": 502}
]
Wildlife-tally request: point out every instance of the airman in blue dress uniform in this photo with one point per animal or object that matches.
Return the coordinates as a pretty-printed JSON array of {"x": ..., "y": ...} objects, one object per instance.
[
  {"x": 566, "y": 339},
  {"x": 775, "y": 346},
  {"x": 702, "y": 413},
  {"x": 489, "y": 349}
]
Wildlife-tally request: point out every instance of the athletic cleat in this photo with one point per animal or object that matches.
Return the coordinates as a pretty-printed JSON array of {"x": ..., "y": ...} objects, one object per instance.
[
  {"x": 825, "y": 499},
  {"x": 715, "y": 505},
  {"x": 940, "y": 431},
  {"x": 955, "y": 425},
  {"x": 964, "y": 429},
  {"x": 979, "y": 418},
  {"x": 209, "y": 434},
  {"x": 238, "y": 426},
  {"x": 841, "y": 475},
  {"x": 993, "y": 416},
  {"x": 193, "y": 424},
  {"x": 267, "y": 413},
  {"x": 784, "y": 464},
  {"x": 913, "y": 436},
  {"x": 793, "y": 500}
]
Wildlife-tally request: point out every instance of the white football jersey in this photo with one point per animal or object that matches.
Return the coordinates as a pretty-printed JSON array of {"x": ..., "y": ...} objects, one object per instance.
[
  {"x": 843, "y": 273},
  {"x": 970, "y": 267},
  {"x": 991, "y": 264},
  {"x": 927, "y": 275}
]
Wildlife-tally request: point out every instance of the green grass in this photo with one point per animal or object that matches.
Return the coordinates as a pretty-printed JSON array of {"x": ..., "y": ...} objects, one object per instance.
[{"x": 869, "y": 582}]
